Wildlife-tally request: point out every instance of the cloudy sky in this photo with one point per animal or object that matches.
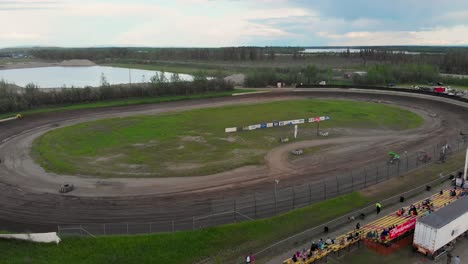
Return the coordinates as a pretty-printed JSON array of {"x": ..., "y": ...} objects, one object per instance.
[{"x": 214, "y": 23}]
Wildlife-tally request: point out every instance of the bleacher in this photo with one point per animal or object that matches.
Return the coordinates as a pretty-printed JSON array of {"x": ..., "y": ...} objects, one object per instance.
[{"x": 438, "y": 201}]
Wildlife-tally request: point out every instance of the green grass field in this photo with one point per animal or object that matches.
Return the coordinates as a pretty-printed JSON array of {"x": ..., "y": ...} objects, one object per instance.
[
  {"x": 194, "y": 142},
  {"x": 224, "y": 243},
  {"x": 124, "y": 102}
]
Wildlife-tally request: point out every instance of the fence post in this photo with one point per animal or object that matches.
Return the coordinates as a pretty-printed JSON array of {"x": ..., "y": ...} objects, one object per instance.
[
  {"x": 337, "y": 186},
  {"x": 388, "y": 176},
  {"x": 324, "y": 190},
  {"x": 398, "y": 171},
  {"x": 293, "y": 198},
  {"x": 377, "y": 174},
  {"x": 235, "y": 210},
  {"x": 276, "y": 206},
  {"x": 255, "y": 205},
  {"x": 365, "y": 178}
]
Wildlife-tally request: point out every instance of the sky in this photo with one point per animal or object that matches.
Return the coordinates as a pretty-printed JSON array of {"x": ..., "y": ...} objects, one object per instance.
[{"x": 218, "y": 23}]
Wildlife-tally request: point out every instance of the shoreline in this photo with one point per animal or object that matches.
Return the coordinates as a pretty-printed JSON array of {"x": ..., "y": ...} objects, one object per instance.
[{"x": 36, "y": 64}]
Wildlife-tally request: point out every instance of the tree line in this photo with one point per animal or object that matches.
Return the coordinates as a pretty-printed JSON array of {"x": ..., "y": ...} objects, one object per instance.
[
  {"x": 379, "y": 74},
  {"x": 290, "y": 76},
  {"x": 14, "y": 99}
]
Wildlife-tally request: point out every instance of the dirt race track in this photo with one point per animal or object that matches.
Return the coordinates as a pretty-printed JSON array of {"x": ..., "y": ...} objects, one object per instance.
[{"x": 29, "y": 198}]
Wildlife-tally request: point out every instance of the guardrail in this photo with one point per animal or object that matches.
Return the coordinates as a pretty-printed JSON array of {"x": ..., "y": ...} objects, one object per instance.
[{"x": 383, "y": 88}]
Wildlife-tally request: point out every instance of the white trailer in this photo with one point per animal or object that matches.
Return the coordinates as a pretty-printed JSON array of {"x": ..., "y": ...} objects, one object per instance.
[{"x": 436, "y": 230}]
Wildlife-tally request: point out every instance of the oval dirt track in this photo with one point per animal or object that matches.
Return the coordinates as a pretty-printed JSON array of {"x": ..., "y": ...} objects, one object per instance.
[{"x": 29, "y": 198}]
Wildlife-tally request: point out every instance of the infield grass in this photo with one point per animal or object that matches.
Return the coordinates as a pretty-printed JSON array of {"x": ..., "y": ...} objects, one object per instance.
[{"x": 194, "y": 142}]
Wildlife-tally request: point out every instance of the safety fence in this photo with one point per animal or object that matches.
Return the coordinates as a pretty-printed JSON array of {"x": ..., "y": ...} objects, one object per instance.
[{"x": 259, "y": 205}]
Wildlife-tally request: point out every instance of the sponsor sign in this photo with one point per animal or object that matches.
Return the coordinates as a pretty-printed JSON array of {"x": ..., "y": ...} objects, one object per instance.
[
  {"x": 280, "y": 123},
  {"x": 403, "y": 228},
  {"x": 253, "y": 127},
  {"x": 230, "y": 129}
]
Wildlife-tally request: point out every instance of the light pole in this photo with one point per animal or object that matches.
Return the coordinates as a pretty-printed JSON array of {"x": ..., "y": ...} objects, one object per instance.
[
  {"x": 466, "y": 168},
  {"x": 276, "y": 207}
]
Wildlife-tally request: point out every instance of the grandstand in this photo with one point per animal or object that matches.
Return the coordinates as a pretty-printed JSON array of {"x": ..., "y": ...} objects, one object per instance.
[{"x": 350, "y": 238}]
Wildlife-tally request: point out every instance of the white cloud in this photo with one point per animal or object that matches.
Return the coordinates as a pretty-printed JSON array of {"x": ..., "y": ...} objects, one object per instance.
[{"x": 457, "y": 35}]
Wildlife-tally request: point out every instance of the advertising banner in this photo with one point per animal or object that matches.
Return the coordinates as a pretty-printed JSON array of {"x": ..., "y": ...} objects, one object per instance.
[
  {"x": 403, "y": 228},
  {"x": 230, "y": 129},
  {"x": 280, "y": 123}
]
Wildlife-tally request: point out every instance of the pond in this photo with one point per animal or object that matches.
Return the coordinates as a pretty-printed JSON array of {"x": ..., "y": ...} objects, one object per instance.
[{"x": 56, "y": 77}]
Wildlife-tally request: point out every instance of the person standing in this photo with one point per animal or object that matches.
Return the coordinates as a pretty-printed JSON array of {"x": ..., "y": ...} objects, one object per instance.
[
  {"x": 456, "y": 260},
  {"x": 449, "y": 258},
  {"x": 248, "y": 259},
  {"x": 378, "y": 206}
]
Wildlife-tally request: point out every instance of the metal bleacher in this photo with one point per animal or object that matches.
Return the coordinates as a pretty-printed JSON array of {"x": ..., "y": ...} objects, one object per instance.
[{"x": 438, "y": 201}]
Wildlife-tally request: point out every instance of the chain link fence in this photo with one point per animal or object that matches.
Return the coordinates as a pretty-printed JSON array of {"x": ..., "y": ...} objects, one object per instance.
[{"x": 277, "y": 201}]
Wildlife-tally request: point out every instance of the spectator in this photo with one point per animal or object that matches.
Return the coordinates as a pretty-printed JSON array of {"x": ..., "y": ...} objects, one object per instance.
[
  {"x": 350, "y": 236},
  {"x": 356, "y": 236},
  {"x": 456, "y": 260},
  {"x": 313, "y": 247},
  {"x": 453, "y": 192},
  {"x": 358, "y": 225},
  {"x": 248, "y": 259},
  {"x": 350, "y": 219},
  {"x": 378, "y": 207},
  {"x": 294, "y": 258},
  {"x": 343, "y": 241},
  {"x": 252, "y": 258},
  {"x": 328, "y": 241}
]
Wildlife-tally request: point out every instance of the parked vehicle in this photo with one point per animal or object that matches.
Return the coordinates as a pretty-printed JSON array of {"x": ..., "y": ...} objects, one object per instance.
[{"x": 441, "y": 227}]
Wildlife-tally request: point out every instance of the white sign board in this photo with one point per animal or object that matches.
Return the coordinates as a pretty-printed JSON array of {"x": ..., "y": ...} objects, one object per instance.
[{"x": 230, "y": 129}]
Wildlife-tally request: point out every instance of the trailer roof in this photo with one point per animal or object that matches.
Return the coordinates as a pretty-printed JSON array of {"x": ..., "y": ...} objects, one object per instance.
[{"x": 446, "y": 214}]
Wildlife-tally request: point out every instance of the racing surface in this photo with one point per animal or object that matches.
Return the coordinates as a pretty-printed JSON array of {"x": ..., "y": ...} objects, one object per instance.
[{"x": 29, "y": 198}]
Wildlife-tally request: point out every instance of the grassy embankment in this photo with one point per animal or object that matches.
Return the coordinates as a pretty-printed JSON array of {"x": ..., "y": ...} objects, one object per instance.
[
  {"x": 128, "y": 147},
  {"x": 224, "y": 244},
  {"x": 124, "y": 102}
]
